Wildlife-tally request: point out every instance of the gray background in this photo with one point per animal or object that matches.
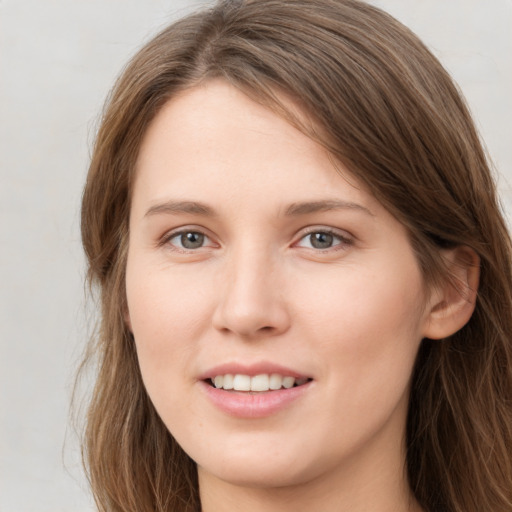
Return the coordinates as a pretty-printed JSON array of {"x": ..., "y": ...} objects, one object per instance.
[{"x": 58, "y": 59}]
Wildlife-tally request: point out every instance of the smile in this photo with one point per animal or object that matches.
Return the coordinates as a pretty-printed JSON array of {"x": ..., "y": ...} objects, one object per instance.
[{"x": 257, "y": 383}]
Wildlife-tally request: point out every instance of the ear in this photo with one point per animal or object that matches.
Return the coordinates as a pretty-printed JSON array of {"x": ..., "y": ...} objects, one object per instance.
[{"x": 452, "y": 303}]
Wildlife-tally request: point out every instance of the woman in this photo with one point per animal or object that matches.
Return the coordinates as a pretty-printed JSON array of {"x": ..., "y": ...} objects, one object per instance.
[{"x": 304, "y": 273}]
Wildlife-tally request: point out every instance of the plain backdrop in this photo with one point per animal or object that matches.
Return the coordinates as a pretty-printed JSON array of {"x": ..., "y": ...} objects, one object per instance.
[{"x": 58, "y": 59}]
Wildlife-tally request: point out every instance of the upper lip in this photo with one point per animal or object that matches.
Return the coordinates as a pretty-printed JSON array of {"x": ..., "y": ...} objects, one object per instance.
[{"x": 251, "y": 369}]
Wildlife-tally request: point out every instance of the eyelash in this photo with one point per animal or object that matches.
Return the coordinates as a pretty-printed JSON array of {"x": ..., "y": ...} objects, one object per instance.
[
  {"x": 175, "y": 234},
  {"x": 343, "y": 240}
]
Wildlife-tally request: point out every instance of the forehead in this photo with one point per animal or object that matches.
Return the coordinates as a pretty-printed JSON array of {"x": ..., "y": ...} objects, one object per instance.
[
  {"x": 213, "y": 140},
  {"x": 216, "y": 116}
]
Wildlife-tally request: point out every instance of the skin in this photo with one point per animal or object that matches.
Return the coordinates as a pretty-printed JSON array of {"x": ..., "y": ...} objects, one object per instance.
[{"x": 350, "y": 316}]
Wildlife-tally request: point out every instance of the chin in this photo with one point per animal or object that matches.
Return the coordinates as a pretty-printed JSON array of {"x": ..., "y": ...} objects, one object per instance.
[
  {"x": 264, "y": 468},
  {"x": 260, "y": 475}
]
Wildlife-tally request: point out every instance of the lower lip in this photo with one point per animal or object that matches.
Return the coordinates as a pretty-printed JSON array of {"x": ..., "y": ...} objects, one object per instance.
[{"x": 253, "y": 405}]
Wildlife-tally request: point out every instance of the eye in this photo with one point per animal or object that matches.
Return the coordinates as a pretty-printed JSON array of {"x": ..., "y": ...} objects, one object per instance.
[
  {"x": 189, "y": 240},
  {"x": 323, "y": 239}
]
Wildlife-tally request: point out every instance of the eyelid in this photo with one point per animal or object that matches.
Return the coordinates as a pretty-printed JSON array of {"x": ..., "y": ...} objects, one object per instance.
[
  {"x": 346, "y": 239},
  {"x": 173, "y": 233}
]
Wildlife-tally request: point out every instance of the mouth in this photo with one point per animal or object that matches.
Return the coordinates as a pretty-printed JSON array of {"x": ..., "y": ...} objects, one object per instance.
[
  {"x": 255, "y": 391},
  {"x": 261, "y": 383}
]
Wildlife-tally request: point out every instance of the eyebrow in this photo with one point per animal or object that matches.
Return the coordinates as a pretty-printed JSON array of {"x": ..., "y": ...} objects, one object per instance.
[
  {"x": 306, "y": 208},
  {"x": 177, "y": 207},
  {"x": 294, "y": 209}
]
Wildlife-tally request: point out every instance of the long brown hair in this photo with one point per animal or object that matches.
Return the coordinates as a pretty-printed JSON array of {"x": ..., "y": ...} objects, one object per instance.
[{"x": 386, "y": 108}]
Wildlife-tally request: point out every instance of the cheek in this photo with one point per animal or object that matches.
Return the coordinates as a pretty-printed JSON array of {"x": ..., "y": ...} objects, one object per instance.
[
  {"x": 366, "y": 332},
  {"x": 167, "y": 317},
  {"x": 368, "y": 325},
  {"x": 355, "y": 301},
  {"x": 162, "y": 326}
]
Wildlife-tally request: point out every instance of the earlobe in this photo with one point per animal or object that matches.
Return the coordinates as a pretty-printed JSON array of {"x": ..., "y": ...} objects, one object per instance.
[{"x": 452, "y": 303}]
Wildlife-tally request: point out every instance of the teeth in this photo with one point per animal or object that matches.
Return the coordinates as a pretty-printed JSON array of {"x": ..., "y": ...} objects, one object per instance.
[
  {"x": 275, "y": 381},
  {"x": 288, "y": 382},
  {"x": 262, "y": 382},
  {"x": 228, "y": 381},
  {"x": 242, "y": 383}
]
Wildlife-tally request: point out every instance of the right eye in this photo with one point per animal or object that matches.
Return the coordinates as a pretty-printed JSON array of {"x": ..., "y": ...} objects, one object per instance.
[{"x": 189, "y": 240}]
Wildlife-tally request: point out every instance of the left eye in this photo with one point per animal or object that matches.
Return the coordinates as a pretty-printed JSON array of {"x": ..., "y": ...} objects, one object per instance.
[
  {"x": 321, "y": 240},
  {"x": 189, "y": 240}
]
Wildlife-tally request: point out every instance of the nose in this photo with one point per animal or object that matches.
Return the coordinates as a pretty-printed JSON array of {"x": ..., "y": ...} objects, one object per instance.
[{"x": 252, "y": 302}]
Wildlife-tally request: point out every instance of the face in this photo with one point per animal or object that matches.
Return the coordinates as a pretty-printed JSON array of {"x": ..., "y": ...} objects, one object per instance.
[{"x": 256, "y": 266}]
